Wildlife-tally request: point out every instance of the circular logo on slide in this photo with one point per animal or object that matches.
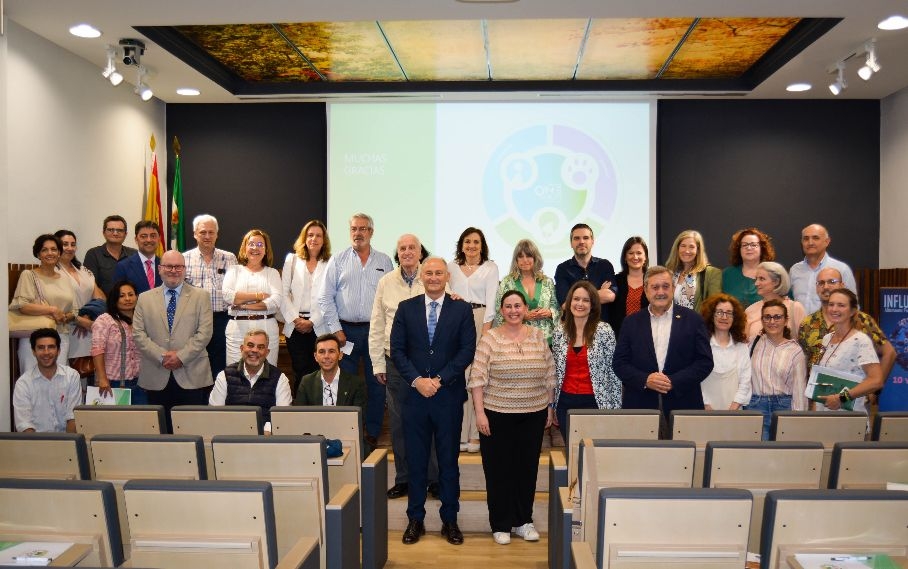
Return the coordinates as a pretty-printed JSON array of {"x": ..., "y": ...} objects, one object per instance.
[{"x": 543, "y": 179}]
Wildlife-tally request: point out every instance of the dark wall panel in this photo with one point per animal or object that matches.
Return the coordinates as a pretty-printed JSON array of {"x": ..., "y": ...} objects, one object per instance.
[
  {"x": 776, "y": 165},
  {"x": 252, "y": 165}
]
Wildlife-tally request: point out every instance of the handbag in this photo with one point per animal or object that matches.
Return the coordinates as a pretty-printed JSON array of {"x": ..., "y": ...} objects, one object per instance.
[
  {"x": 85, "y": 365},
  {"x": 22, "y": 325}
]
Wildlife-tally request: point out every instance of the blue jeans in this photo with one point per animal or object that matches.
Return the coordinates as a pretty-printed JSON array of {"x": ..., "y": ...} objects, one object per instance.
[
  {"x": 767, "y": 404},
  {"x": 375, "y": 392}
]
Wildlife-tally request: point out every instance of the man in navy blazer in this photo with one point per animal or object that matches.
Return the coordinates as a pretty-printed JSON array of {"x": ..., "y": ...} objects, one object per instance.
[
  {"x": 663, "y": 352},
  {"x": 433, "y": 407},
  {"x": 134, "y": 268}
]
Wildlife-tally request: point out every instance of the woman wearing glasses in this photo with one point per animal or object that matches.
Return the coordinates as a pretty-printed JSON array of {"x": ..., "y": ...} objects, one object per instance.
[
  {"x": 778, "y": 366},
  {"x": 773, "y": 283},
  {"x": 254, "y": 291},
  {"x": 728, "y": 385},
  {"x": 695, "y": 279},
  {"x": 749, "y": 247}
]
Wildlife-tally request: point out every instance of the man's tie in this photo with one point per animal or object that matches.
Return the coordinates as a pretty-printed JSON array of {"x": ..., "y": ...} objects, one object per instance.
[
  {"x": 171, "y": 307},
  {"x": 149, "y": 273},
  {"x": 433, "y": 319}
]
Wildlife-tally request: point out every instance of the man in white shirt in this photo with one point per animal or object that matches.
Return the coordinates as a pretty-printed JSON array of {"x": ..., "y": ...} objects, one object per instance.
[
  {"x": 814, "y": 242},
  {"x": 45, "y": 395},
  {"x": 252, "y": 380}
]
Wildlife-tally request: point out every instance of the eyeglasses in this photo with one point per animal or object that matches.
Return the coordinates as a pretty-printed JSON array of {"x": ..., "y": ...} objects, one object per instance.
[
  {"x": 114, "y": 230},
  {"x": 773, "y": 317},
  {"x": 725, "y": 314},
  {"x": 328, "y": 398},
  {"x": 176, "y": 268},
  {"x": 829, "y": 282},
  {"x": 256, "y": 244},
  {"x": 750, "y": 245}
]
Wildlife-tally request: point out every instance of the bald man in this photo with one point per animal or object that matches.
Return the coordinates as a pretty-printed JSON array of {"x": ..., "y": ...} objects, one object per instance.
[
  {"x": 814, "y": 242},
  {"x": 817, "y": 325}
]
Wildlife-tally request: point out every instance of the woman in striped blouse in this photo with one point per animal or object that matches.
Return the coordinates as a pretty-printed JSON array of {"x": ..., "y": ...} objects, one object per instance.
[
  {"x": 511, "y": 380},
  {"x": 779, "y": 369}
]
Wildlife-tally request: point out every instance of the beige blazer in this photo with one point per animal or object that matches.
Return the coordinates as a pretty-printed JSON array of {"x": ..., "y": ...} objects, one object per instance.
[{"x": 192, "y": 326}]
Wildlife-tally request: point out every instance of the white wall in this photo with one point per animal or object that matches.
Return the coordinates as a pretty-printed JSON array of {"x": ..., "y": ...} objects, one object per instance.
[
  {"x": 4, "y": 280},
  {"x": 894, "y": 180},
  {"x": 76, "y": 150}
]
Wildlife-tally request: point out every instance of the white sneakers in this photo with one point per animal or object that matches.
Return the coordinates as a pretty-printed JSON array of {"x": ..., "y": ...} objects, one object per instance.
[
  {"x": 527, "y": 532},
  {"x": 501, "y": 537}
]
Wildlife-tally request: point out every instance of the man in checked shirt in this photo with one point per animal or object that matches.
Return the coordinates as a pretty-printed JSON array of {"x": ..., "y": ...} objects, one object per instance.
[{"x": 205, "y": 268}]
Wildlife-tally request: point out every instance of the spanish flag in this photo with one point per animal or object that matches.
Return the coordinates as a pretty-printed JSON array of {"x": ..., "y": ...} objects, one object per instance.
[{"x": 153, "y": 199}]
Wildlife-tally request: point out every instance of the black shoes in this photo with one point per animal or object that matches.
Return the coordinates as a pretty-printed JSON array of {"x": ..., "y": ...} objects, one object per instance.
[
  {"x": 416, "y": 529},
  {"x": 449, "y": 530},
  {"x": 398, "y": 491},
  {"x": 434, "y": 490}
]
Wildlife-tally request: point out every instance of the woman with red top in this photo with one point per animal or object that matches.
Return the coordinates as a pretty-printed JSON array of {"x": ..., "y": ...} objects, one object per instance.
[
  {"x": 630, "y": 298},
  {"x": 583, "y": 347}
]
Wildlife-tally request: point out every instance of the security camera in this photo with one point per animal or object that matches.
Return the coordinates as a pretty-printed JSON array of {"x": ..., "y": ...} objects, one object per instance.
[{"x": 133, "y": 50}]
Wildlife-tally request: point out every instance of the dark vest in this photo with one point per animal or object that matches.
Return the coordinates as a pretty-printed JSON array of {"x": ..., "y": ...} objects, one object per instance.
[{"x": 263, "y": 393}]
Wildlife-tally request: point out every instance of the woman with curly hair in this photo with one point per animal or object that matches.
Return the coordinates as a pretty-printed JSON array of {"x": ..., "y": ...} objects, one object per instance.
[
  {"x": 749, "y": 247},
  {"x": 728, "y": 385}
]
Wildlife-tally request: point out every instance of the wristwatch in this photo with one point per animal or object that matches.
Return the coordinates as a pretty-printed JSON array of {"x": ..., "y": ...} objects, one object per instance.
[{"x": 844, "y": 395}]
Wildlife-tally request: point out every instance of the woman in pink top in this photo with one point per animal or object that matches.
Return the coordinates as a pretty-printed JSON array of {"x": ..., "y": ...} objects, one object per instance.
[{"x": 115, "y": 353}]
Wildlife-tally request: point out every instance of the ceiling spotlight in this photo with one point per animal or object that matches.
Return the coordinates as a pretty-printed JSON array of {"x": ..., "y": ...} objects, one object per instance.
[
  {"x": 142, "y": 89},
  {"x": 188, "y": 92},
  {"x": 110, "y": 70},
  {"x": 840, "y": 84},
  {"x": 798, "y": 87},
  {"x": 896, "y": 22},
  {"x": 871, "y": 64},
  {"x": 133, "y": 50},
  {"x": 85, "y": 31}
]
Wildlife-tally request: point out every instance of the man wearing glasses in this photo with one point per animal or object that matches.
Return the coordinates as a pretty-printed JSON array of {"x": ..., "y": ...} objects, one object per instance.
[
  {"x": 102, "y": 260},
  {"x": 817, "y": 325},
  {"x": 171, "y": 327},
  {"x": 252, "y": 380},
  {"x": 330, "y": 386},
  {"x": 584, "y": 266}
]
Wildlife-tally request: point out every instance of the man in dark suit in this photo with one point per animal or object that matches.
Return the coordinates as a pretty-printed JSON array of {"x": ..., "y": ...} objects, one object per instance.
[
  {"x": 141, "y": 268},
  {"x": 663, "y": 353},
  {"x": 433, "y": 340},
  {"x": 330, "y": 385}
]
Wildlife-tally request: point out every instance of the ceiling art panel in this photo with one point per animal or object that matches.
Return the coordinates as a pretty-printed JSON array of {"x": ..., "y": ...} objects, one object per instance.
[
  {"x": 534, "y": 50},
  {"x": 633, "y": 48},
  {"x": 443, "y": 50}
]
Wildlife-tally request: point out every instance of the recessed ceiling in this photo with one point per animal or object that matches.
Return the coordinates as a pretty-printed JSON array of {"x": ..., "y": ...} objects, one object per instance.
[{"x": 718, "y": 54}]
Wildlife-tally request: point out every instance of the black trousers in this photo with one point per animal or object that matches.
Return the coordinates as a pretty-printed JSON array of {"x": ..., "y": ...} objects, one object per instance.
[
  {"x": 173, "y": 395},
  {"x": 302, "y": 356},
  {"x": 510, "y": 461}
]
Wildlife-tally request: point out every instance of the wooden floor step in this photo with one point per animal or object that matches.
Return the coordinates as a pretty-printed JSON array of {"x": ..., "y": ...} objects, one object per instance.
[
  {"x": 472, "y": 476},
  {"x": 473, "y": 516}
]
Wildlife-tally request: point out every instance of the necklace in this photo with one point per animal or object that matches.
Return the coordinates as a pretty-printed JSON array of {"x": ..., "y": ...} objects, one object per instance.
[{"x": 839, "y": 343}]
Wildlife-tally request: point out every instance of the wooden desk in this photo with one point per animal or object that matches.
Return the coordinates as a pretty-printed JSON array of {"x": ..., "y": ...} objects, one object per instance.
[
  {"x": 900, "y": 561},
  {"x": 72, "y": 556}
]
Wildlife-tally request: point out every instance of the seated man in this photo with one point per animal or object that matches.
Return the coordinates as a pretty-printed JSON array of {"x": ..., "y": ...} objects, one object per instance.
[
  {"x": 252, "y": 381},
  {"x": 330, "y": 385},
  {"x": 45, "y": 395}
]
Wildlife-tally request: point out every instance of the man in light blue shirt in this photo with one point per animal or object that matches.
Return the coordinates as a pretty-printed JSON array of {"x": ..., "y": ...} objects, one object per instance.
[
  {"x": 814, "y": 242},
  {"x": 351, "y": 279},
  {"x": 45, "y": 395}
]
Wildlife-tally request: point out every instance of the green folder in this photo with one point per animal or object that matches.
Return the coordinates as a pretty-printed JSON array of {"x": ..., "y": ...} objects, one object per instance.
[{"x": 825, "y": 381}]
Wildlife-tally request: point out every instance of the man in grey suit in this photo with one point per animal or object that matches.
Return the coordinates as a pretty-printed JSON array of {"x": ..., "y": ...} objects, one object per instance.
[{"x": 172, "y": 326}]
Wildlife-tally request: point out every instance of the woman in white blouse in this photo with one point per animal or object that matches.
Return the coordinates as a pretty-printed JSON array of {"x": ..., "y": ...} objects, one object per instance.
[
  {"x": 475, "y": 278},
  {"x": 253, "y": 289},
  {"x": 303, "y": 275},
  {"x": 84, "y": 290},
  {"x": 728, "y": 385}
]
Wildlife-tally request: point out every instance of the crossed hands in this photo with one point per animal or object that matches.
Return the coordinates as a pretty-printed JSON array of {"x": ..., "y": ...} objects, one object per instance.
[{"x": 427, "y": 386}]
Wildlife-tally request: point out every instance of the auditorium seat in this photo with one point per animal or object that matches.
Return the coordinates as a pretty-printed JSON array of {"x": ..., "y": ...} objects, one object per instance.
[
  {"x": 296, "y": 467},
  {"x": 61, "y": 456},
  {"x": 890, "y": 426},
  {"x": 869, "y": 464},
  {"x": 760, "y": 467},
  {"x": 94, "y": 420},
  {"x": 209, "y": 421},
  {"x": 606, "y": 463},
  {"x": 827, "y": 427},
  {"x": 187, "y": 524},
  {"x": 71, "y": 511},
  {"x": 849, "y": 522},
  {"x": 704, "y": 426},
  {"x": 665, "y": 528}
]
